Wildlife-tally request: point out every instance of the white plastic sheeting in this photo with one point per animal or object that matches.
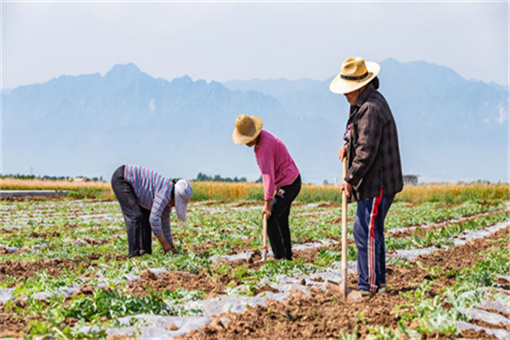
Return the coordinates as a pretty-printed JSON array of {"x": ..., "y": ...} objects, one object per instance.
[{"x": 154, "y": 326}]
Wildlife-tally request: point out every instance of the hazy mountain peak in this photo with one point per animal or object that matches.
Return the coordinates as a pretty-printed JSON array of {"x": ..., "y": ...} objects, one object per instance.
[
  {"x": 390, "y": 60},
  {"x": 124, "y": 68},
  {"x": 184, "y": 80}
]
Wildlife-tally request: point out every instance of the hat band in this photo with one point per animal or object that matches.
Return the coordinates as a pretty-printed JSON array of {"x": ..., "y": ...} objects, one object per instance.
[{"x": 354, "y": 77}]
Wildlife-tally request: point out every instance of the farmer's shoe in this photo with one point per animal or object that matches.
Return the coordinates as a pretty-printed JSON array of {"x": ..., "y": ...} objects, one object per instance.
[
  {"x": 382, "y": 290},
  {"x": 365, "y": 293},
  {"x": 134, "y": 254}
]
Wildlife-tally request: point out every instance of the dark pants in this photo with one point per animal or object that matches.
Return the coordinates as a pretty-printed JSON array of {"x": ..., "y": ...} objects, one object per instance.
[
  {"x": 278, "y": 230},
  {"x": 138, "y": 228},
  {"x": 368, "y": 232}
]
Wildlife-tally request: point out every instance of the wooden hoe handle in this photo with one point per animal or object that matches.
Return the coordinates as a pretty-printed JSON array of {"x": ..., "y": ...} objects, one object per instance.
[
  {"x": 264, "y": 237},
  {"x": 344, "y": 232}
]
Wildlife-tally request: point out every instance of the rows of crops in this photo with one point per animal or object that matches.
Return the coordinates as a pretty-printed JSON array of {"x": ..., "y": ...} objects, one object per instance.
[{"x": 64, "y": 273}]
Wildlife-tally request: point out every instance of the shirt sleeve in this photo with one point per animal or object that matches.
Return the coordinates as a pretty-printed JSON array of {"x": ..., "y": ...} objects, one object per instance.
[
  {"x": 165, "y": 224},
  {"x": 369, "y": 128},
  {"x": 158, "y": 206},
  {"x": 265, "y": 160}
]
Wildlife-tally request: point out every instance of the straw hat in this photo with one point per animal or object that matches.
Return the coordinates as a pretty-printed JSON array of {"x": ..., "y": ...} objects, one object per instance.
[
  {"x": 247, "y": 129},
  {"x": 183, "y": 193},
  {"x": 354, "y": 75}
]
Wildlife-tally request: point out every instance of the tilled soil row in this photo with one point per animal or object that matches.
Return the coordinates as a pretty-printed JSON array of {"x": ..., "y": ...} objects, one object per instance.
[
  {"x": 15, "y": 324},
  {"x": 419, "y": 231},
  {"x": 320, "y": 315},
  {"x": 207, "y": 280},
  {"x": 54, "y": 267},
  {"x": 311, "y": 255},
  {"x": 443, "y": 221},
  {"x": 315, "y": 316}
]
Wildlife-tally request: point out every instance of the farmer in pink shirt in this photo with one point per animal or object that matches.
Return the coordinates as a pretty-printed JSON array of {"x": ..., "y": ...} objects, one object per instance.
[{"x": 280, "y": 176}]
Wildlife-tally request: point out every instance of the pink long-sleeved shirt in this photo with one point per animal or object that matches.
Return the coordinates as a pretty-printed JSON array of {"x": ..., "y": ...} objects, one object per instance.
[{"x": 275, "y": 163}]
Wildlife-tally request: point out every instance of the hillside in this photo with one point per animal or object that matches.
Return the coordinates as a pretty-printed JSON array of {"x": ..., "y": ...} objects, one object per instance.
[{"x": 450, "y": 128}]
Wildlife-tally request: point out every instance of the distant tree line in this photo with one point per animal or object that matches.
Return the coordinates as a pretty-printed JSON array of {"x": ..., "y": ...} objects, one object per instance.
[
  {"x": 217, "y": 178},
  {"x": 18, "y": 176}
]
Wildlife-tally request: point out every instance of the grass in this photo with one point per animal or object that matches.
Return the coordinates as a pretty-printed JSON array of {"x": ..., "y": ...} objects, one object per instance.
[
  {"x": 447, "y": 193},
  {"x": 454, "y": 193}
]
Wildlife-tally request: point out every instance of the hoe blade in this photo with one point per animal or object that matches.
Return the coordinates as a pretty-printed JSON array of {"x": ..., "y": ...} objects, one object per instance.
[
  {"x": 351, "y": 295},
  {"x": 264, "y": 255}
]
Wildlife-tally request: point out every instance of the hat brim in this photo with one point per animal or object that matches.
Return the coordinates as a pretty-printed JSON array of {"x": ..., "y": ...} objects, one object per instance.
[
  {"x": 241, "y": 139},
  {"x": 343, "y": 86}
]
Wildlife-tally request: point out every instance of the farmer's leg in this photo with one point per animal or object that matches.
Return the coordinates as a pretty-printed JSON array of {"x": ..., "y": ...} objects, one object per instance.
[
  {"x": 278, "y": 223},
  {"x": 146, "y": 232},
  {"x": 364, "y": 235},
  {"x": 360, "y": 231},
  {"x": 287, "y": 195},
  {"x": 283, "y": 222},
  {"x": 130, "y": 210},
  {"x": 275, "y": 236},
  {"x": 380, "y": 267}
]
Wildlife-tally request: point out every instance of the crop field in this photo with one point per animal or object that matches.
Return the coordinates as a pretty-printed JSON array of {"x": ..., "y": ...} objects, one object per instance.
[{"x": 64, "y": 273}]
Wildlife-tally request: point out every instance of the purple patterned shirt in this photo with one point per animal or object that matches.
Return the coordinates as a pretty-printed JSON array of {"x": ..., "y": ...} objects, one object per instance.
[{"x": 154, "y": 193}]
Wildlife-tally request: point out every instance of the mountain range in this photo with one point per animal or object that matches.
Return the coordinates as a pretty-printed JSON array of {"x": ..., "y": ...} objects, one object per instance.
[{"x": 450, "y": 128}]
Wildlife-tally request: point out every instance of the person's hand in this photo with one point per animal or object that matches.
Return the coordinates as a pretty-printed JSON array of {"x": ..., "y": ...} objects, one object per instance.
[
  {"x": 347, "y": 187},
  {"x": 342, "y": 153},
  {"x": 267, "y": 209},
  {"x": 167, "y": 246},
  {"x": 173, "y": 249}
]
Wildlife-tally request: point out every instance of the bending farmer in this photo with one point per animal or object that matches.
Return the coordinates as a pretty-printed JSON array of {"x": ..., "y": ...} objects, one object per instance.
[
  {"x": 374, "y": 172},
  {"x": 279, "y": 173},
  {"x": 146, "y": 199}
]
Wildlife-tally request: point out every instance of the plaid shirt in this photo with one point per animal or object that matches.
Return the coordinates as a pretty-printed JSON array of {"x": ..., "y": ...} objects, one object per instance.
[{"x": 373, "y": 153}]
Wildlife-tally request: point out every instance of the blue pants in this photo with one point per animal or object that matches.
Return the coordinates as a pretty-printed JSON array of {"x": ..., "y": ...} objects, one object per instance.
[{"x": 368, "y": 232}]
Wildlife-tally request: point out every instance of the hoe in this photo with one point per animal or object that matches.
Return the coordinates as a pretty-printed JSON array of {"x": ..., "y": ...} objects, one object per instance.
[
  {"x": 342, "y": 291},
  {"x": 264, "y": 237}
]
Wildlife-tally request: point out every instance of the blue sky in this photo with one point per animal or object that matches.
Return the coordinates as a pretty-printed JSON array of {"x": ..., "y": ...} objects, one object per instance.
[{"x": 245, "y": 40}]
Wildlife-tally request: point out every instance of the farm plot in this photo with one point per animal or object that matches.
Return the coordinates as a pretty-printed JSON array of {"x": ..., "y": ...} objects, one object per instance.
[{"x": 64, "y": 273}]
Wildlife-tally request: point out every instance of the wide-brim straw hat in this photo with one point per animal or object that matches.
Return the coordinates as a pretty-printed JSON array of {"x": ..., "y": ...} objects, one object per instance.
[
  {"x": 247, "y": 129},
  {"x": 355, "y": 74},
  {"x": 183, "y": 193}
]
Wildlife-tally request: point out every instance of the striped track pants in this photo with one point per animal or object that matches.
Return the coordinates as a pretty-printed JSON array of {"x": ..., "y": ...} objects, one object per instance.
[{"x": 368, "y": 232}]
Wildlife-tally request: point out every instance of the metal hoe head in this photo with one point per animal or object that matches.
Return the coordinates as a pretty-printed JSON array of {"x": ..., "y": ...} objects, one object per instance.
[
  {"x": 264, "y": 254},
  {"x": 338, "y": 291}
]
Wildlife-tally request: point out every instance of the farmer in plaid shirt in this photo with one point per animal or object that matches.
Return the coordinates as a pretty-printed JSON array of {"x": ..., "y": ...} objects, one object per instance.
[{"x": 374, "y": 172}]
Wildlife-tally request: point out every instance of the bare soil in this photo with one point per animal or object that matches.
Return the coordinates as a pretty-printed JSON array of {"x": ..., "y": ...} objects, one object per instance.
[
  {"x": 53, "y": 267},
  {"x": 320, "y": 315}
]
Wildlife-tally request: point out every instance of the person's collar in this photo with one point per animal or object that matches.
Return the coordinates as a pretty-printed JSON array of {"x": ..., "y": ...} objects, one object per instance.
[
  {"x": 365, "y": 94},
  {"x": 259, "y": 137}
]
